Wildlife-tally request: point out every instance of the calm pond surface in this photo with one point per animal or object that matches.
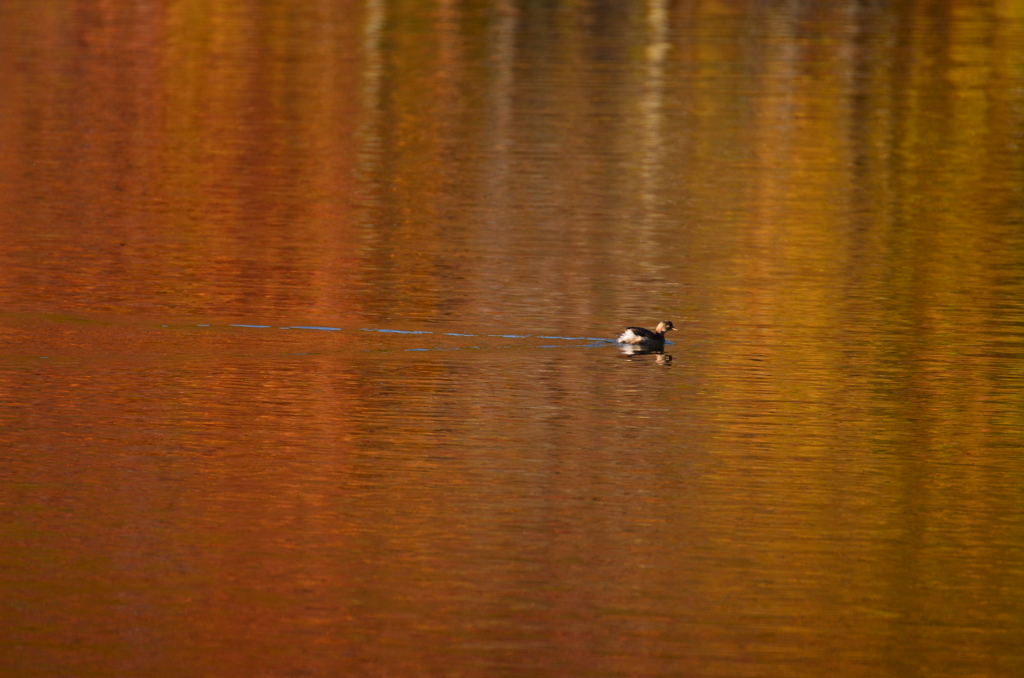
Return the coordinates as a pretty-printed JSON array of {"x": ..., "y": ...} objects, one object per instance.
[{"x": 305, "y": 322}]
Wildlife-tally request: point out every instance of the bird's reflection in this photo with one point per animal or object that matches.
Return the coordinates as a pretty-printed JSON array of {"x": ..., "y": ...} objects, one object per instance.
[{"x": 631, "y": 351}]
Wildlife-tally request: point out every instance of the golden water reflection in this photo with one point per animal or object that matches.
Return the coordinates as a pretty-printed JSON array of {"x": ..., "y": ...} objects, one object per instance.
[{"x": 824, "y": 480}]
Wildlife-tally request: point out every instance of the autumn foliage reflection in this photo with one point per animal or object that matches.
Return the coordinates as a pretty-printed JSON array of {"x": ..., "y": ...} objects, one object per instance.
[{"x": 825, "y": 197}]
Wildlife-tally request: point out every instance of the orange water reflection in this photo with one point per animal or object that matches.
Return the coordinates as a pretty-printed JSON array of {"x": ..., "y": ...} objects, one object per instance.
[{"x": 824, "y": 481}]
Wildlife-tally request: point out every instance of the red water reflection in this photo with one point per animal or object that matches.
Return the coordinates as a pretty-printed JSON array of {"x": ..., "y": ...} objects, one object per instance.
[{"x": 826, "y": 200}]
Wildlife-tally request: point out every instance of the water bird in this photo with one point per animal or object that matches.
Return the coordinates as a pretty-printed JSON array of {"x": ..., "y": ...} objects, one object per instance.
[{"x": 645, "y": 337}]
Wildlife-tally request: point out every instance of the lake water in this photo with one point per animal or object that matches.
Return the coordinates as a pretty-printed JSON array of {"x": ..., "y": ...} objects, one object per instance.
[{"x": 306, "y": 309}]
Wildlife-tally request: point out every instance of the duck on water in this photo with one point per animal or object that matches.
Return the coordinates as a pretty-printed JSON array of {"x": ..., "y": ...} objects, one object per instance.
[{"x": 644, "y": 337}]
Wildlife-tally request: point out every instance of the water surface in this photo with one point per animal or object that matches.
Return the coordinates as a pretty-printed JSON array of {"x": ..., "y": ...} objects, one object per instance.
[{"x": 305, "y": 311}]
